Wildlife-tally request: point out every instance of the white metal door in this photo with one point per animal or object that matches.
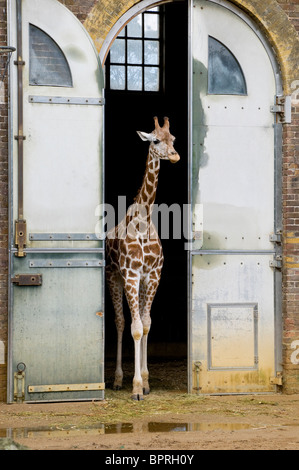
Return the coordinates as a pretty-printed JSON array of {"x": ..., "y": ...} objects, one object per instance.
[
  {"x": 232, "y": 295},
  {"x": 56, "y": 322}
]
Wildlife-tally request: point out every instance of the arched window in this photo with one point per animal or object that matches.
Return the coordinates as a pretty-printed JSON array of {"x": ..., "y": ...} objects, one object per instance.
[
  {"x": 134, "y": 62},
  {"x": 225, "y": 75},
  {"x": 47, "y": 63}
]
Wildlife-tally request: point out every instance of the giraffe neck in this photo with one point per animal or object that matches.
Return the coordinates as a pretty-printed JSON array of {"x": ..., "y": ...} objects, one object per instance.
[
  {"x": 138, "y": 218},
  {"x": 147, "y": 193}
]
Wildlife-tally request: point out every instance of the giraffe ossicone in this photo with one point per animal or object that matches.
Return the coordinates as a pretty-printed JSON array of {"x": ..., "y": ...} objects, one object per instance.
[{"x": 135, "y": 260}]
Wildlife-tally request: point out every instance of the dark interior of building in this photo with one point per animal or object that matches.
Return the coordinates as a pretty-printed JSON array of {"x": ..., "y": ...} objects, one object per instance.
[{"x": 127, "y": 112}]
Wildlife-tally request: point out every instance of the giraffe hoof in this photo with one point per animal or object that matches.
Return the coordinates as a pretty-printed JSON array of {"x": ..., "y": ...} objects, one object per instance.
[
  {"x": 137, "y": 397},
  {"x": 146, "y": 391},
  {"x": 117, "y": 387}
]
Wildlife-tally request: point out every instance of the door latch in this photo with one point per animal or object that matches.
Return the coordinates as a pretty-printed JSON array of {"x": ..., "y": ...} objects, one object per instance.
[
  {"x": 27, "y": 279},
  {"x": 19, "y": 383},
  {"x": 20, "y": 237},
  {"x": 197, "y": 369}
]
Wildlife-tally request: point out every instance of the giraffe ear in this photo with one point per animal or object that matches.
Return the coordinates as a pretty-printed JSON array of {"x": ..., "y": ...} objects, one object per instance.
[{"x": 145, "y": 136}]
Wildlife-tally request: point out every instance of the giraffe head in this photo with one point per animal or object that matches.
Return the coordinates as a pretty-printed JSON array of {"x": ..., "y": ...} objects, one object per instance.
[{"x": 161, "y": 141}]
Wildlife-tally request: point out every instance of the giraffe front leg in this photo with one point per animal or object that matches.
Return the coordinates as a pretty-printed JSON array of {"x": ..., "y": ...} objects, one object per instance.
[
  {"x": 146, "y": 323},
  {"x": 136, "y": 329},
  {"x": 149, "y": 291},
  {"x": 143, "y": 361},
  {"x": 132, "y": 294},
  {"x": 144, "y": 369}
]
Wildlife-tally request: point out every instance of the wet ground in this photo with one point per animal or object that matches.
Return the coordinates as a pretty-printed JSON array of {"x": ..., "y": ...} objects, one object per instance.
[
  {"x": 168, "y": 419},
  {"x": 117, "y": 428}
]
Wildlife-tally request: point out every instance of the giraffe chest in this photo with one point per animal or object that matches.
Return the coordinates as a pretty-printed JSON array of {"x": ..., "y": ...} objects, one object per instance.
[{"x": 137, "y": 257}]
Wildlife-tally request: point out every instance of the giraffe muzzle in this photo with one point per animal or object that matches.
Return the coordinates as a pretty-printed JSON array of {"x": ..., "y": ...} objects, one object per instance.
[{"x": 174, "y": 158}]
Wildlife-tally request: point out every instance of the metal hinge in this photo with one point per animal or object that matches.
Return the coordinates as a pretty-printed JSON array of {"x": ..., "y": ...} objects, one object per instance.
[
  {"x": 67, "y": 100},
  {"x": 277, "y": 262},
  {"x": 20, "y": 137},
  {"x": 277, "y": 380},
  {"x": 27, "y": 280},
  {"x": 69, "y": 263},
  {"x": 283, "y": 109},
  {"x": 276, "y": 237},
  {"x": 19, "y": 62}
]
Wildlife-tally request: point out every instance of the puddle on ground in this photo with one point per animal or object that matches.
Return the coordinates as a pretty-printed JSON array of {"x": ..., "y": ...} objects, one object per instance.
[{"x": 118, "y": 428}]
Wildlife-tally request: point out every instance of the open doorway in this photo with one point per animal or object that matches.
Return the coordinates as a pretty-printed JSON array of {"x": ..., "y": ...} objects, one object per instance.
[{"x": 127, "y": 111}]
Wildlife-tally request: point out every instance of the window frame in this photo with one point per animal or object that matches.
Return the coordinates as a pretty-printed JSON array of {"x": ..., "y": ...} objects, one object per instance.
[
  {"x": 126, "y": 64},
  {"x": 239, "y": 68},
  {"x": 47, "y": 77}
]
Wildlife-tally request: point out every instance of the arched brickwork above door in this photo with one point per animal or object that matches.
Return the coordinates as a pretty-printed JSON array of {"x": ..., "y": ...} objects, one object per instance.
[
  {"x": 275, "y": 24},
  {"x": 268, "y": 14}
]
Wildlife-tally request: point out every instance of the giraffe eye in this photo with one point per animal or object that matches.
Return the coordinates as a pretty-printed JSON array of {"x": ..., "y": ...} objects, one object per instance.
[{"x": 156, "y": 141}]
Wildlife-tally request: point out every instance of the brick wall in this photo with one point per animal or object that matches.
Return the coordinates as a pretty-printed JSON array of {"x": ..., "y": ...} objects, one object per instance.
[
  {"x": 79, "y": 8},
  {"x": 291, "y": 7},
  {"x": 104, "y": 11},
  {"x": 291, "y": 228},
  {"x": 291, "y": 251}
]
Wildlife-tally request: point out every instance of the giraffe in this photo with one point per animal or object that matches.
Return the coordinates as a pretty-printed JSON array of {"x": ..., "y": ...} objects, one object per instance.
[{"x": 135, "y": 260}]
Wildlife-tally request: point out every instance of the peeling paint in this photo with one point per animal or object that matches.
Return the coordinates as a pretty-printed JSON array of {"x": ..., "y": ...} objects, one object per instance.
[{"x": 231, "y": 381}]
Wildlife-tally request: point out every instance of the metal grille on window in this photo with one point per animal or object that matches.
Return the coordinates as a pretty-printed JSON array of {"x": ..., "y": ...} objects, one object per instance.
[
  {"x": 225, "y": 75},
  {"x": 134, "y": 63},
  {"x": 48, "y": 65}
]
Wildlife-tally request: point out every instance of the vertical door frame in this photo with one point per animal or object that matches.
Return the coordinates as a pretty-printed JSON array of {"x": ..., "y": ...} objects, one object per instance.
[
  {"x": 277, "y": 181},
  {"x": 10, "y": 33}
]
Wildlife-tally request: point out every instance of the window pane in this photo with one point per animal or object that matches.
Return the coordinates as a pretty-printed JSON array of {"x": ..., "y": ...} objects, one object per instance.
[
  {"x": 134, "y": 51},
  {"x": 117, "y": 77},
  {"x": 134, "y": 28},
  {"x": 117, "y": 53},
  {"x": 151, "y": 79},
  {"x": 151, "y": 52},
  {"x": 48, "y": 65},
  {"x": 134, "y": 78},
  {"x": 225, "y": 74},
  {"x": 151, "y": 26}
]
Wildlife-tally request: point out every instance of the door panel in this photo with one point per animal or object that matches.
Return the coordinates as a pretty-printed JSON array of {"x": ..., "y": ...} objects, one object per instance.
[
  {"x": 61, "y": 147},
  {"x": 236, "y": 196},
  {"x": 232, "y": 323},
  {"x": 64, "y": 143},
  {"x": 58, "y": 329},
  {"x": 57, "y": 323},
  {"x": 232, "y": 309}
]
